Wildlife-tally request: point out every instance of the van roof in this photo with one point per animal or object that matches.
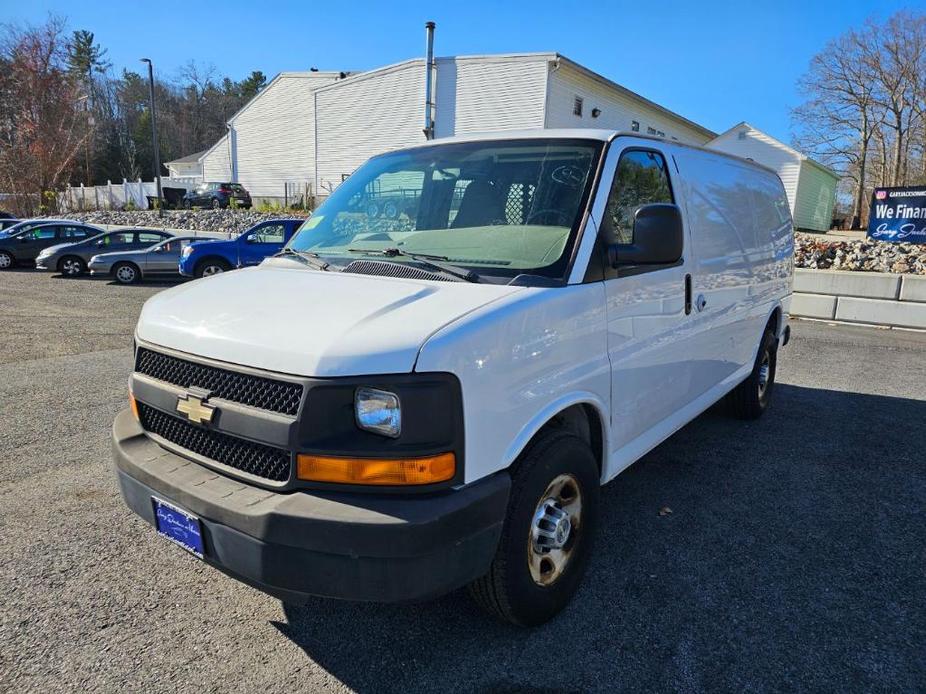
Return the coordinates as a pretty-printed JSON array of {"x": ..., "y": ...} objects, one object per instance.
[{"x": 600, "y": 134}]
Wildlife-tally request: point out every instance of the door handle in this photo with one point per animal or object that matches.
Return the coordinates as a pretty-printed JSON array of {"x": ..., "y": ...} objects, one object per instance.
[
  {"x": 687, "y": 295},
  {"x": 700, "y": 303}
]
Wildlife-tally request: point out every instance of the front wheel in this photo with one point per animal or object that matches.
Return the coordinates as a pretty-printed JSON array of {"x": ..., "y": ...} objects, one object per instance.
[
  {"x": 72, "y": 266},
  {"x": 6, "y": 260},
  {"x": 208, "y": 268},
  {"x": 216, "y": 204},
  {"x": 751, "y": 397},
  {"x": 548, "y": 532},
  {"x": 126, "y": 273}
]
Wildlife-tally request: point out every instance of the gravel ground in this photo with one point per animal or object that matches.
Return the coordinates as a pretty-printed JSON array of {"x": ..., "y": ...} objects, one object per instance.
[{"x": 792, "y": 559}]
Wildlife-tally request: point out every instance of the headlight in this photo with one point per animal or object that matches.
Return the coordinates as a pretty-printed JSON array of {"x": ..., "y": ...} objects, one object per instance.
[
  {"x": 186, "y": 251},
  {"x": 378, "y": 411},
  {"x": 44, "y": 254}
]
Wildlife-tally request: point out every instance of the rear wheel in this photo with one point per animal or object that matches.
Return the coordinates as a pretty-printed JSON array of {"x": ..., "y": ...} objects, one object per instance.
[
  {"x": 126, "y": 273},
  {"x": 211, "y": 266},
  {"x": 751, "y": 397},
  {"x": 72, "y": 266},
  {"x": 6, "y": 260},
  {"x": 186, "y": 204},
  {"x": 216, "y": 203},
  {"x": 547, "y": 537}
]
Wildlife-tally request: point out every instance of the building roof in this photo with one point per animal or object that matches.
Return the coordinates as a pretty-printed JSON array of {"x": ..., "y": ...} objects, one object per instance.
[
  {"x": 188, "y": 159},
  {"x": 550, "y": 56},
  {"x": 803, "y": 157}
]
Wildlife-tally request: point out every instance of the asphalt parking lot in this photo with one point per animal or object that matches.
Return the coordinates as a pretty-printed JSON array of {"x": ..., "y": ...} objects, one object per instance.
[{"x": 793, "y": 557}]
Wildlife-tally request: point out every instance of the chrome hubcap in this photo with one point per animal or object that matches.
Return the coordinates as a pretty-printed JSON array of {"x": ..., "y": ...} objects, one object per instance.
[
  {"x": 126, "y": 274},
  {"x": 71, "y": 267},
  {"x": 4, "y": 260},
  {"x": 765, "y": 369},
  {"x": 554, "y": 529},
  {"x": 210, "y": 270}
]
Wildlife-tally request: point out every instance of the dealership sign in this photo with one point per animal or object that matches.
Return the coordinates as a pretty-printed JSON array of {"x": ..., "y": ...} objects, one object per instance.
[{"x": 898, "y": 214}]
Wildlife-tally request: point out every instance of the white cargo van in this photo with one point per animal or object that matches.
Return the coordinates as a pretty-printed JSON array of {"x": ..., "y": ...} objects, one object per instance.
[{"x": 426, "y": 388}]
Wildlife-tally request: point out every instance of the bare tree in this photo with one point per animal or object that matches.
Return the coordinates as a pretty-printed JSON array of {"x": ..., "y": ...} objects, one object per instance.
[
  {"x": 42, "y": 126},
  {"x": 840, "y": 116}
]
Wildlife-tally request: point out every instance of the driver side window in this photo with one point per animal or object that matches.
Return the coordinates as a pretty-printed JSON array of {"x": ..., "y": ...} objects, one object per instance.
[
  {"x": 272, "y": 233},
  {"x": 641, "y": 178}
]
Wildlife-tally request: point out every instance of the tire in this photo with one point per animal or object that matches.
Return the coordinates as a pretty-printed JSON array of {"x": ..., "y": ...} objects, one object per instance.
[
  {"x": 126, "y": 273},
  {"x": 186, "y": 204},
  {"x": 520, "y": 586},
  {"x": 211, "y": 266},
  {"x": 6, "y": 260},
  {"x": 216, "y": 204},
  {"x": 72, "y": 266},
  {"x": 751, "y": 397}
]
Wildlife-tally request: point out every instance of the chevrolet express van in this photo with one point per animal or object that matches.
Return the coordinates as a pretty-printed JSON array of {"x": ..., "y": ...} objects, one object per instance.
[{"x": 396, "y": 406}]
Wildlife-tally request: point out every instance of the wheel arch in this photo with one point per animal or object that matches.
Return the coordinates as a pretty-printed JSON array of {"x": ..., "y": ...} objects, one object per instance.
[{"x": 582, "y": 413}]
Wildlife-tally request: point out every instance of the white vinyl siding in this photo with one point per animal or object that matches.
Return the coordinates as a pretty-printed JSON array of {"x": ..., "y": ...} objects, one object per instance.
[
  {"x": 481, "y": 94},
  {"x": 618, "y": 109},
  {"x": 816, "y": 195},
  {"x": 274, "y": 135},
  {"x": 217, "y": 162},
  {"x": 366, "y": 115}
]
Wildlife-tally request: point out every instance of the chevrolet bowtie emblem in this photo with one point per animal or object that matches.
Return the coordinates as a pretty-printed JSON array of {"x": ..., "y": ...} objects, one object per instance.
[{"x": 193, "y": 405}]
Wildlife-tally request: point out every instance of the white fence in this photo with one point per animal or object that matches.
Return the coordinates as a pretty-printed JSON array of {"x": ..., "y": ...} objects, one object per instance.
[{"x": 118, "y": 196}]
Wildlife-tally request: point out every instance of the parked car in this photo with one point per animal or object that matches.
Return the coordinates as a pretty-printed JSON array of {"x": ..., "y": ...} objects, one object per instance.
[
  {"x": 250, "y": 248},
  {"x": 160, "y": 260},
  {"x": 7, "y": 223},
  {"x": 217, "y": 195},
  {"x": 70, "y": 259},
  {"x": 395, "y": 408},
  {"x": 24, "y": 246}
]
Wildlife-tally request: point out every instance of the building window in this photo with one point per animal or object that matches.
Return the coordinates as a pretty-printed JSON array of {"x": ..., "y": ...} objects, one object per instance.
[
  {"x": 651, "y": 131},
  {"x": 577, "y": 107},
  {"x": 741, "y": 135},
  {"x": 635, "y": 126}
]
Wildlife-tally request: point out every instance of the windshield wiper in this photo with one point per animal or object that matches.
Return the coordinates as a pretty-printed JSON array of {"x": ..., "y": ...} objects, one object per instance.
[
  {"x": 434, "y": 262},
  {"x": 308, "y": 257}
]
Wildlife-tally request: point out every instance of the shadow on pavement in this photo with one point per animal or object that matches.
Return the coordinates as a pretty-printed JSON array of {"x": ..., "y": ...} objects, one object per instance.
[{"x": 793, "y": 558}]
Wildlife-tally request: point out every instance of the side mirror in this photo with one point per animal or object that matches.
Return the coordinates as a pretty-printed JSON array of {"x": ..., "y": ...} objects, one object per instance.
[{"x": 658, "y": 238}]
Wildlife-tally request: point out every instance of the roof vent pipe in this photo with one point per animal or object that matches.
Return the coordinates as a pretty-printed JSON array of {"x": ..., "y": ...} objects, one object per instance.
[{"x": 429, "y": 84}]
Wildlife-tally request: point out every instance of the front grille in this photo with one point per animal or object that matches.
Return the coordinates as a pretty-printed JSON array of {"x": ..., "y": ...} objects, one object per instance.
[
  {"x": 256, "y": 391},
  {"x": 254, "y": 458}
]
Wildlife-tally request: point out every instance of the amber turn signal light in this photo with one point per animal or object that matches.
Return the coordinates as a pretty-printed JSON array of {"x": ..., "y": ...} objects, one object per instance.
[
  {"x": 382, "y": 471},
  {"x": 134, "y": 405}
]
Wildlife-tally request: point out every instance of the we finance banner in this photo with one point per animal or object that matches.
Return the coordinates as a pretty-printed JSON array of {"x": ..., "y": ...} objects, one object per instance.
[{"x": 898, "y": 215}]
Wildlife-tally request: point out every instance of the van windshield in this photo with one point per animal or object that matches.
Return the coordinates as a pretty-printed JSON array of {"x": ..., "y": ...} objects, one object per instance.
[{"x": 497, "y": 207}]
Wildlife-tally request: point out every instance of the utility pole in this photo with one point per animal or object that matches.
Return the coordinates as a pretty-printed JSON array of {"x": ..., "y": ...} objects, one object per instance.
[{"x": 154, "y": 136}]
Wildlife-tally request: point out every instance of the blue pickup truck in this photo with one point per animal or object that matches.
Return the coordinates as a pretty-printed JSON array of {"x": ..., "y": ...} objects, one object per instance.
[{"x": 260, "y": 241}]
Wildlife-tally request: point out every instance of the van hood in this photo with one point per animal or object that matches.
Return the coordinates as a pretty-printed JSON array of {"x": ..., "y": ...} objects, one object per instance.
[{"x": 306, "y": 322}]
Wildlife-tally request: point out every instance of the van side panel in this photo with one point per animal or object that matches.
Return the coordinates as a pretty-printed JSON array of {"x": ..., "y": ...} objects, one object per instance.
[{"x": 742, "y": 247}]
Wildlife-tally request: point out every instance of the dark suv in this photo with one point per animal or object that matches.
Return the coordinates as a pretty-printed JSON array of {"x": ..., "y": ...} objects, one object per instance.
[{"x": 217, "y": 195}]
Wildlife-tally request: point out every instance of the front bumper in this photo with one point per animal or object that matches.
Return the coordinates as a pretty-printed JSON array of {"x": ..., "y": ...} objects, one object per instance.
[
  {"x": 356, "y": 546},
  {"x": 45, "y": 263},
  {"x": 99, "y": 269}
]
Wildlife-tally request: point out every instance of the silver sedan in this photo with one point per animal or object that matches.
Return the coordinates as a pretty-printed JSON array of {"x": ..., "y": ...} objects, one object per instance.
[{"x": 160, "y": 260}]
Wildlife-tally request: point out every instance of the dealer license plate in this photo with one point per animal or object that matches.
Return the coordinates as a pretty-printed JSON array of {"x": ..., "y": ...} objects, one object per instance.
[{"x": 178, "y": 526}]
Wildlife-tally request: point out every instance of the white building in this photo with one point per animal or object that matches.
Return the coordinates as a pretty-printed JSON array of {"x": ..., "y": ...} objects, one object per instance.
[
  {"x": 811, "y": 186},
  {"x": 307, "y": 131},
  {"x": 190, "y": 166}
]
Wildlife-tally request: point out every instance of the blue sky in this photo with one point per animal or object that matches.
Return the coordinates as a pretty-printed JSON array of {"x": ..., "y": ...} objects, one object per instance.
[{"x": 715, "y": 63}]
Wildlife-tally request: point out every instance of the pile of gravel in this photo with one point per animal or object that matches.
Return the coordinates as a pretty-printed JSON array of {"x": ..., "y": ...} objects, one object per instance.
[
  {"x": 228, "y": 221},
  {"x": 862, "y": 255}
]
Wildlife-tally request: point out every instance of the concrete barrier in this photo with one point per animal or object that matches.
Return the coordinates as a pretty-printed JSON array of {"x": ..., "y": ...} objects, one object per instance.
[{"x": 860, "y": 297}]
